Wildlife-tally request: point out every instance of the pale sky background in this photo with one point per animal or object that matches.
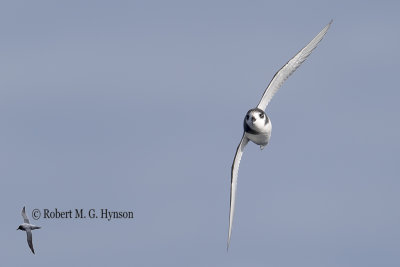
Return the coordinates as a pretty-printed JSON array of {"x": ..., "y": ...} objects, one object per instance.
[{"x": 139, "y": 106}]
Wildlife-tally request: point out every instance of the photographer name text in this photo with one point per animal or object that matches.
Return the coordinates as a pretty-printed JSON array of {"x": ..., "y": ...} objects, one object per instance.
[{"x": 81, "y": 214}]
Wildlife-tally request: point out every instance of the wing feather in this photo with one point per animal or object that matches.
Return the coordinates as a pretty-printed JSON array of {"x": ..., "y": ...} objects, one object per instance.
[
  {"x": 290, "y": 67},
  {"x": 234, "y": 177},
  {"x": 29, "y": 239},
  {"x": 23, "y": 213}
]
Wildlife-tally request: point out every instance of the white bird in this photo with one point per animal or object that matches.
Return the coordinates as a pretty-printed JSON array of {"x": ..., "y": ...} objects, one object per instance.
[
  {"x": 257, "y": 126},
  {"x": 27, "y": 227}
]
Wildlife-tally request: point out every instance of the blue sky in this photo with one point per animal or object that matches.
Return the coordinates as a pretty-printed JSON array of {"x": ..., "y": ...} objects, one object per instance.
[{"x": 139, "y": 106}]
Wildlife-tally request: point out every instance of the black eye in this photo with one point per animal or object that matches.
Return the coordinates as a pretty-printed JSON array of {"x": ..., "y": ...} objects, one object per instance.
[
  {"x": 261, "y": 116},
  {"x": 247, "y": 117}
]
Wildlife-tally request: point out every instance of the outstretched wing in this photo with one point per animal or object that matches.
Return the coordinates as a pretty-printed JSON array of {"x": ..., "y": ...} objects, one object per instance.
[
  {"x": 23, "y": 213},
  {"x": 289, "y": 68},
  {"x": 29, "y": 239},
  {"x": 234, "y": 176}
]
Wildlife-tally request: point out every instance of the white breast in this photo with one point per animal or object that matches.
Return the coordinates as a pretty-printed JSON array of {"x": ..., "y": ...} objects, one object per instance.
[
  {"x": 260, "y": 132},
  {"x": 262, "y": 138}
]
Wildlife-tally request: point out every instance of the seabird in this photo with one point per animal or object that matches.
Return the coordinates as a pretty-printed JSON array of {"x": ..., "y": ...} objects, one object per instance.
[
  {"x": 257, "y": 126},
  {"x": 27, "y": 227}
]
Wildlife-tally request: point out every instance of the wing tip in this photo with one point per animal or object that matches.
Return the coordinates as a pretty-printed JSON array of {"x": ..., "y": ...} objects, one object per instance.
[
  {"x": 31, "y": 247},
  {"x": 229, "y": 236},
  {"x": 329, "y": 24},
  {"x": 326, "y": 28}
]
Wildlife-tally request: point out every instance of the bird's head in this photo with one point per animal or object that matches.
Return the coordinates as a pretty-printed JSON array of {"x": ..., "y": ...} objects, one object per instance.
[
  {"x": 256, "y": 119},
  {"x": 20, "y": 227}
]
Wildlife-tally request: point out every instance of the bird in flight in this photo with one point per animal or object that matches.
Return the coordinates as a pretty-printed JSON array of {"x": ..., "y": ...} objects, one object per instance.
[
  {"x": 257, "y": 126},
  {"x": 27, "y": 227}
]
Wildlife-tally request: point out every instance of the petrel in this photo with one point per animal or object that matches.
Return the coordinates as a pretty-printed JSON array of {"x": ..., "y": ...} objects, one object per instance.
[
  {"x": 27, "y": 227},
  {"x": 257, "y": 126}
]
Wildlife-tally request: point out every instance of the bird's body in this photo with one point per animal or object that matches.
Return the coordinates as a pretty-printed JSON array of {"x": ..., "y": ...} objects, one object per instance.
[
  {"x": 27, "y": 227},
  {"x": 257, "y": 126}
]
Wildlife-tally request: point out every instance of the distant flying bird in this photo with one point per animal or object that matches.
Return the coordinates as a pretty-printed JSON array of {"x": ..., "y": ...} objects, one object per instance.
[
  {"x": 257, "y": 125},
  {"x": 27, "y": 227}
]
